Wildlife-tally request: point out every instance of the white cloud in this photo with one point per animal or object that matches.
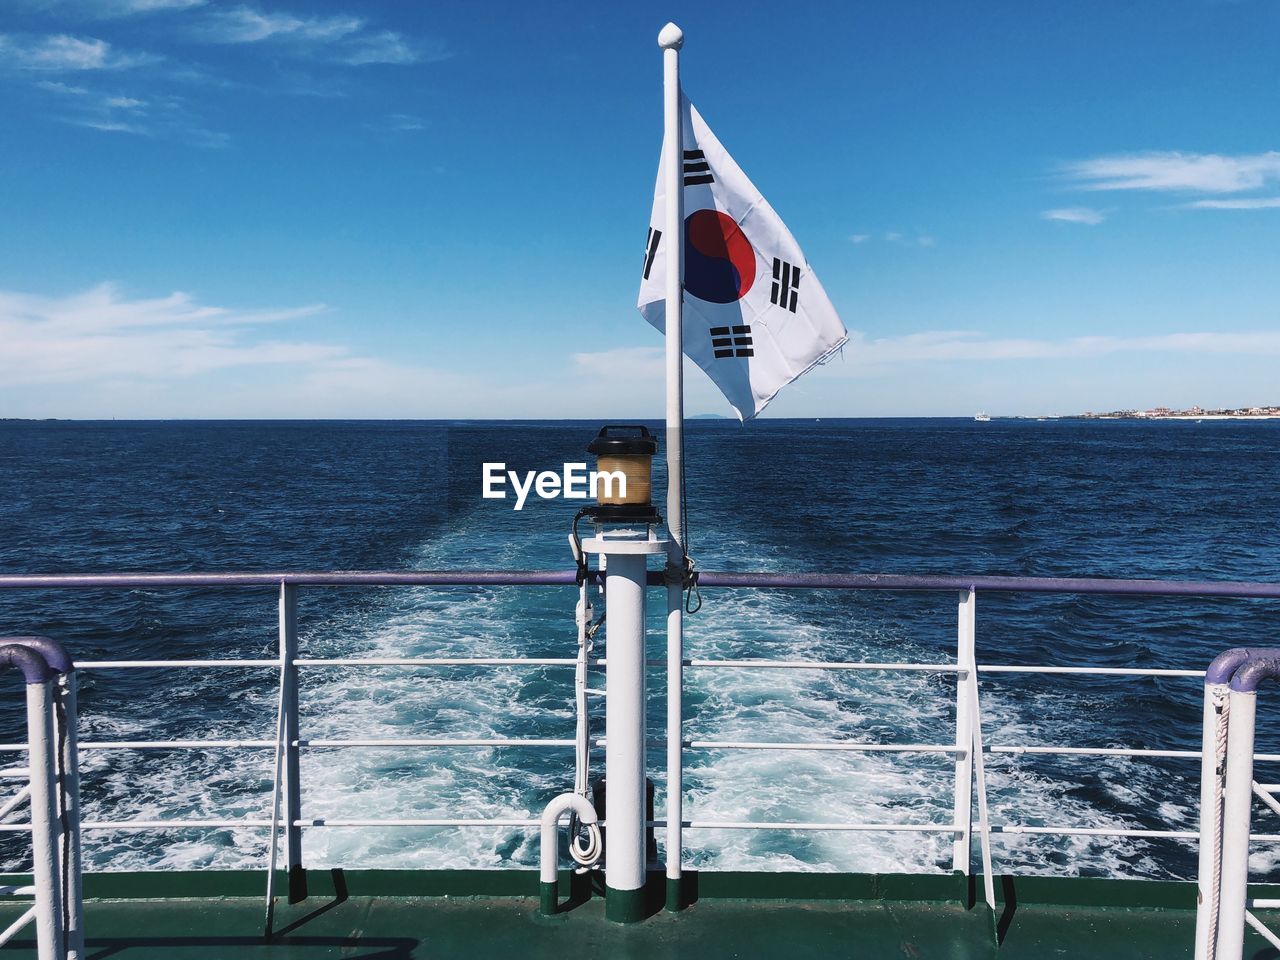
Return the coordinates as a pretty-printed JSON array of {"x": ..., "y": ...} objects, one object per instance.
[
  {"x": 106, "y": 9},
  {"x": 627, "y": 366},
  {"x": 948, "y": 345},
  {"x": 388, "y": 46},
  {"x": 246, "y": 25},
  {"x": 160, "y": 117},
  {"x": 149, "y": 6},
  {"x": 55, "y": 53},
  {"x": 109, "y": 126},
  {"x": 345, "y": 38},
  {"x": 1075, "y": 215},
  {"x": 1172, "y": 171},
  {"x": 917, "y": 240},
  {"x": 1250, "y": 203},
  {"x": 623, "y": 363},
  {"x": 55, "y": 86},
  {"x": 100, "y": 353},
  {"x": 404, "y": 122},
  {"x": 99, "y": 334},
  {"x": 627, "y": 382}
]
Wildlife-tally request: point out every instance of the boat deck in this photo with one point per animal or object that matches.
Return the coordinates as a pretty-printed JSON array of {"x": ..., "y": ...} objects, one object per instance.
[
  {"x": 1144, "y": 920},
  {"x": 401, "y": 928}
]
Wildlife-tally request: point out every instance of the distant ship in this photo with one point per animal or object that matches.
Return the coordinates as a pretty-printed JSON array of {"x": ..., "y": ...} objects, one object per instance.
[{"x": 982, "y": 418}]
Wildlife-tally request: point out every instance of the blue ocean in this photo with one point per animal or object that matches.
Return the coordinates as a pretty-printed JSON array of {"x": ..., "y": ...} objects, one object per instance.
[{"x": 1180, "y": 500}]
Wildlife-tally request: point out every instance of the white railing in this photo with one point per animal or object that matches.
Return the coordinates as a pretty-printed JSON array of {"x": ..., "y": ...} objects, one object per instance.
[{"x": 967, "y": 749}]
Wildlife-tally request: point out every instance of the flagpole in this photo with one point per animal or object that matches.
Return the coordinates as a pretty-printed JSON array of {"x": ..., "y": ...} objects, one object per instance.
[{"x": 671, "y": 39}]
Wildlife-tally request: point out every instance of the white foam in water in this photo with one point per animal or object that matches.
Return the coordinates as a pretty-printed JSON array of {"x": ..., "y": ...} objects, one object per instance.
[{"x": 782, "y": 705}]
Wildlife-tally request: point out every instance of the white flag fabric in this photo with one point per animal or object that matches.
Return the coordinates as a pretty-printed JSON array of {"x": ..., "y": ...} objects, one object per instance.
[{"x": 755, "y": 316}]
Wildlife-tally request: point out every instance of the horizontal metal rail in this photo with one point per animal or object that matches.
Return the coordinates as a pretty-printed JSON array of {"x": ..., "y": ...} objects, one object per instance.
[
  {"x": 603, "y": 662},
  {"x": 437, "y": 742},
  {"x": 343, "y": 662},
  {"x": 813, "y": 825},
  {"x": 814, "y": 665},
  {"x": 1109, "y": 752},
  {"x": 499, "y": 742},
  {"x": 565, "y": 578},
  {"x": 251, "y": 824},
  {"x": 850, "y": 745},
  {"x": 172, "y": 664},
  {"x": 323, "y": 744},
  {"x": 438, "y": 662},
  {"x": 1093, "y": 671},
  {"x": 531, "y": 823},
  {"x": 1093, "y": 585},
  {"x": 157, "y": 745}
]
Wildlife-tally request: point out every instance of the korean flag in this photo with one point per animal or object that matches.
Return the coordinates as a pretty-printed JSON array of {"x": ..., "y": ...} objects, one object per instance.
[{"x": 755, "y": 316}]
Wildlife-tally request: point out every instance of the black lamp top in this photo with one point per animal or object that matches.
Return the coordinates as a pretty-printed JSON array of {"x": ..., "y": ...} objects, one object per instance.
[{"x": 623, "y": 439}]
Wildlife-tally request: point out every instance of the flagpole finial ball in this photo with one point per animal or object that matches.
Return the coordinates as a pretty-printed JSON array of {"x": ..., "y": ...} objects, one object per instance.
[{"x": 671, "y": 37}]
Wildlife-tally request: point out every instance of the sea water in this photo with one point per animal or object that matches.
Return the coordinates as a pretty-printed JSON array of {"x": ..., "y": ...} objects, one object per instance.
[{"x": 1055, "y": 498}]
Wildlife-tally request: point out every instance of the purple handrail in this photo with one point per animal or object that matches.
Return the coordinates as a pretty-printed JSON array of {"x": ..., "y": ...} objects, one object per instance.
[{"x": 557, "y": 578}]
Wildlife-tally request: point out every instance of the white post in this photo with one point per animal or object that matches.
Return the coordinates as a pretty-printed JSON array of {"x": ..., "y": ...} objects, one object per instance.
[
  {"x": 44, "y": 818},
  {"x": 1235, "y": 826},
  {"x": 625, "y": 857},
  {"x": 71, "y": 800},
  {"x": 671, "y": 39},
  {"x": 292, "y": 787},
  {"x": 1215, "y": 699},
  {"x": 961, "y": 853},
  {"x": 624, "y": 733},
  {"x": 675, "y": 741}
]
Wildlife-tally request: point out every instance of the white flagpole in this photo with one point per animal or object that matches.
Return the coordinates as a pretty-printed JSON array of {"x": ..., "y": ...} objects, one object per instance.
[{"x": 671, "y": 39}]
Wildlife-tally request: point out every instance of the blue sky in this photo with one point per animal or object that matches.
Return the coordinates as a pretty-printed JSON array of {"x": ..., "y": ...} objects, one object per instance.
[{"x": 384, "y": 209}]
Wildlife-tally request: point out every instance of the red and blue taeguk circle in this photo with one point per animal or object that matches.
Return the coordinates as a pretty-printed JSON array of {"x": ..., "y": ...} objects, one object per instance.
[{"x": 719, "y": 264}]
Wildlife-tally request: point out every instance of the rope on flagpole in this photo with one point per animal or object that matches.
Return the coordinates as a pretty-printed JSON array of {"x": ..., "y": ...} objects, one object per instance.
[{"x": 689, "y": 571}]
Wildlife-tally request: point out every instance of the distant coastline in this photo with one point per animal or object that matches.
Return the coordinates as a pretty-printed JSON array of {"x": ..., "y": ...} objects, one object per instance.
[
  {"x": 1193, "y": 413},
  {"x": 1254, "y": 413}
]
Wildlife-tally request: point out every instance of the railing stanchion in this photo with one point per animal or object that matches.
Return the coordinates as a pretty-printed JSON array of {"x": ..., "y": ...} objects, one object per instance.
[
  {"x": 961, "y": 854},
  {"x": 1215, "y": 719},
  {"x": 46, "y": 868},
  {"x": 292, "y": 765},
  {"x": 66, "y": 690},
  {"x": 1237, "y": 805},
  {"x": 980, "y": 773},
  {"x": 54, "y": 796}
]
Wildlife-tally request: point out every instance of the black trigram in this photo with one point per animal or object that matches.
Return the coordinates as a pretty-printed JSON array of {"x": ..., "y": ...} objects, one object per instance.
[
  {"x": 732, "y": 342},
  {"x": 695, "y": 169},
  {"x": 651, "y": 250},
  {"x": 786, "y": 281}
]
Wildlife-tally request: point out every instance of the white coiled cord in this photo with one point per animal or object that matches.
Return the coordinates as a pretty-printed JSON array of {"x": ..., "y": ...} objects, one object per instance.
[{"x": 586, "y": 843}]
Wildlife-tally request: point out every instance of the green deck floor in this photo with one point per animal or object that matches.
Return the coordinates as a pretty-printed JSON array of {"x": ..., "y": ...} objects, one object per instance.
[
  {"x": 397, "y": 929},
  {"x": 402, "y": 927}
]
